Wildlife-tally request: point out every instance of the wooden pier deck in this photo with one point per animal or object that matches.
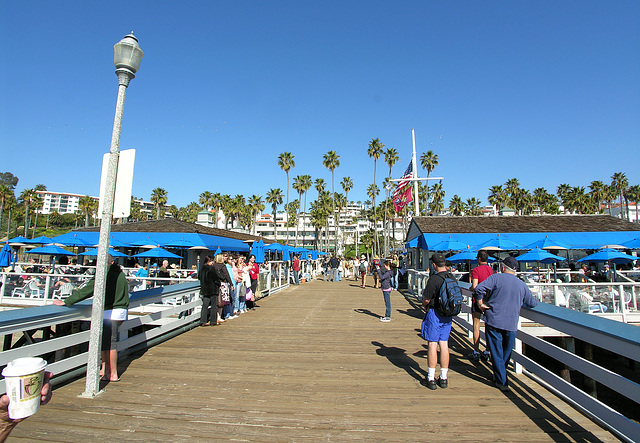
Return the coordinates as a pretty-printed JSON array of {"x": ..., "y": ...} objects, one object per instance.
[{"x": 312, "y": 363}]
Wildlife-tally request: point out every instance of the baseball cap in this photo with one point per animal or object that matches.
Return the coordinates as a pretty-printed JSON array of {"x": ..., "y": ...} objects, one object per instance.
[
  {"x": 511, "y": 262},
  {"x": 438, "y": 259}
]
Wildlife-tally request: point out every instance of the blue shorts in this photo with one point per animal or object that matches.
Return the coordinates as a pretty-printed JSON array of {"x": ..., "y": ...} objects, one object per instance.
[{"x": 436, "y": 327}]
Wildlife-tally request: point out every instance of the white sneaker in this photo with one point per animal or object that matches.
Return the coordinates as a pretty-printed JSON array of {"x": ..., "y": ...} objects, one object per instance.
[{"x": 385, "y": 319}]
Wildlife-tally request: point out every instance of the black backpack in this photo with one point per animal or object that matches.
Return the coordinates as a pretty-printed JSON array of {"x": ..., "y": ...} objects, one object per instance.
[{"x": 449, "y": 303}]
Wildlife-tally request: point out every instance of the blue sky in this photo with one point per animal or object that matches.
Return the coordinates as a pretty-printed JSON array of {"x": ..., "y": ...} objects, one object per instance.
[{"x": 543, "y": 91}]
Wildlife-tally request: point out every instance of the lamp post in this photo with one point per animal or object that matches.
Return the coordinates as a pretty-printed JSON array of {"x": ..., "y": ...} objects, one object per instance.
[{"x": 127, "y": 56}]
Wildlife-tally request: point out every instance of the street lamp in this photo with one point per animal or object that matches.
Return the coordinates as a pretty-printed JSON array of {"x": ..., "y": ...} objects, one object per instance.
[{"x": 127, "y": 56}]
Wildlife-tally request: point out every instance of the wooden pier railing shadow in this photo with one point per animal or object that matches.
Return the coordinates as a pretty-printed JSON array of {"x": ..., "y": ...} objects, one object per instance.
[{"x": 311, "y": 363}]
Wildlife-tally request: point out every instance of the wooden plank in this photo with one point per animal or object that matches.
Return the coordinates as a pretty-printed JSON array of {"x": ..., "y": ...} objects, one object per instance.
[{"x": 311, "y": 363}]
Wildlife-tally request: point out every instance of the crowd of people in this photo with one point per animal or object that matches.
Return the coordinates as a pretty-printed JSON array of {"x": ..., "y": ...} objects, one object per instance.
[{"x": 228, "y": 284}]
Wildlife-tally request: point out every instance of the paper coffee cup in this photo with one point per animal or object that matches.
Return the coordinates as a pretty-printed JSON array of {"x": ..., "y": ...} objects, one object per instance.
[{"x": 23, "y": 379}]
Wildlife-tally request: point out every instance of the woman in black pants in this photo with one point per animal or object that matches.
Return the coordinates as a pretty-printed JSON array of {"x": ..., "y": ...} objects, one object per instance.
[{"x": 208, "y": 293}]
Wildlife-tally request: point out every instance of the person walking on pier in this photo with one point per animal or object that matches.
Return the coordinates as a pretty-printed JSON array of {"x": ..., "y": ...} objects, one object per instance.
[
  {"x": 386, "y": 275},
  {"x": 437, "y": 326},
  {"x": 500, "y": 298},
  {"x": 362, "y": 270},
  {"x": 478, "y": 275}
]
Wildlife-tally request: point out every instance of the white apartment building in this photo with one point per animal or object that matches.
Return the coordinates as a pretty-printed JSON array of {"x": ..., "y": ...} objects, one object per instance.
[
  {"x": 68, "y": 203},
  {"x": 61, "y": 202}
]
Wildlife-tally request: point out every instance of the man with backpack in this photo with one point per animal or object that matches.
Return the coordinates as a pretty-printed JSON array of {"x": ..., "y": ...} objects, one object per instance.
[{"x": 442, "y": 299}]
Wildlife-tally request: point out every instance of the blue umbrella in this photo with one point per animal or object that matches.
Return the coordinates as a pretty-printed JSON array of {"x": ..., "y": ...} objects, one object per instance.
[
  {"x": 218, "y": 252},
  {"x": 112, "y": 253},
  {"x": 115, "y": 243},
  {"x": 274, "y": 247},
  {"x": 632, "y": 244},
  {"x": 285, "y": 255},
  {"x": 314, "y": 255},
  {"x": 449, "y": 244},
  {"x": 257, "y": 249},
  {"x": 76, "y": 241},
  {"x": 42, "y": 240},
  {"x": 467, "y": 256},
  {"x": 539, "y": 255},
  {"x": 157, "y": 253},
  {"x": 178, "y": 243},
  {"x": 5, "y": 256},
  {"x": 144, "y": 242},
  {"x": 50, "y": 250},
  {"x": 304, "y": 254},
  {"x": 607, "y": 255},
  {"x": 18, "y": 240},
  {"x": 547, "y": 243},
  {"x": 499, "y": 243}
]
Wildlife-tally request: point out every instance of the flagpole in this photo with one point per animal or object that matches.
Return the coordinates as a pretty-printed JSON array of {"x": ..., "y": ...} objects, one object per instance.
[{"x": 415, "y": 174}]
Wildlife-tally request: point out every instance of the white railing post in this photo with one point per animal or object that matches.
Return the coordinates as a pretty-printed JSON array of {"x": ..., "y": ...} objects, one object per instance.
[{"x": 518, "y": 348}]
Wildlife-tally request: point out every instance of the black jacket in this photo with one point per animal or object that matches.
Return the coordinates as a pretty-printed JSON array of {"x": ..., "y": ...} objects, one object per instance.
[{"x": 207, "y": 284}]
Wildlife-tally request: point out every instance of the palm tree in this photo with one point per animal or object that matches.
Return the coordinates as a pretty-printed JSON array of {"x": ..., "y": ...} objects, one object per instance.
[
  {"x": 347, "y": 185},
  {"x": 159, "y": 199},
  {"x": 473, "y": 205},
  {"x": 85, "y": 204},
  {"x": 497, "y": 197},
  {"x": 331, "y": 160},
  {"x": 597, "y": 193},
  {"x": 456, "y": 205},
  {"x": 27, "y": 196},
  {"x": 577, "y": 200},
  {"x": 274, "y": 196},
  {"x": 205, "y": 200},
  {"x": 390, "y": 158},
  {"x": 372, "y": 193},
  {"x": 236, "y": 206},
  {"x": 286, "y": 162},
  {"x": 437, "y": 205},
  {"x": 257, "y": 206},
  {"x": 562, "y": 192},
  {"x": 11, "y": 205},
  {"x": 620, "y": 183},
  {"x": 511, "y": 190},
  {"x": 428, "y": 161},
  {"x": 633, "y": 193},
  {"x": 306, "y": 185},
  {"x": 5, "y": 193},
  {"x": 298, "y": 186},
  {"x": 375, "y": 150},
  {"x": 36, "y": 203}
]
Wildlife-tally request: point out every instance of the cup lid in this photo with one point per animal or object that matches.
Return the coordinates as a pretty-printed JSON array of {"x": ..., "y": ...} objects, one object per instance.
[{"x": 24, "y": 366}]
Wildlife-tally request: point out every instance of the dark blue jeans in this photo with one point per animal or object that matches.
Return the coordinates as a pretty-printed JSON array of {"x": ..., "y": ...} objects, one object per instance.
[
  {"x": 387, "y": 303},
  {"x": 500, "y": 343}
]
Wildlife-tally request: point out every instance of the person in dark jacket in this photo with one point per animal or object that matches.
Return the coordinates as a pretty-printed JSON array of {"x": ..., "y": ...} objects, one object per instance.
[
  {"x": 116, "y": 305},
  {"x": 208, "y": 293},
  {"x": 385, "y": 275}
]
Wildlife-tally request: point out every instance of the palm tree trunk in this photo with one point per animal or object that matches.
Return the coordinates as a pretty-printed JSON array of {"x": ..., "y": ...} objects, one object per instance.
[
  {"x": 26, "y": 220},
  {"x": 35, "y": 225},
  {"x": 9, "y": 224}
]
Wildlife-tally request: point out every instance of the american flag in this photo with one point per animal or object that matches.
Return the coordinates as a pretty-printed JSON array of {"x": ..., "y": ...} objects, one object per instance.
[
  {"x": 408, "y": 174},
  {"x": 402, "y": 194}
]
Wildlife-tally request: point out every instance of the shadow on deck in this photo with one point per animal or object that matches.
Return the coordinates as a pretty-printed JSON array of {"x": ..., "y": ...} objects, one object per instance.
[{"x": 311, "y": 363}]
